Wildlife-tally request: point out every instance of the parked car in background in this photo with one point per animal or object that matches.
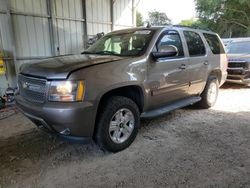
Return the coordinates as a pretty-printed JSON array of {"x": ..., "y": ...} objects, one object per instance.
[
  {"x": 238, "y": 50},
  {"x": 127, "y": 74}
]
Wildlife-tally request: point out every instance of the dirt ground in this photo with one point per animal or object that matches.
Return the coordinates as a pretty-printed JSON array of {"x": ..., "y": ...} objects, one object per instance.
[{"x": 185, "y": 148}]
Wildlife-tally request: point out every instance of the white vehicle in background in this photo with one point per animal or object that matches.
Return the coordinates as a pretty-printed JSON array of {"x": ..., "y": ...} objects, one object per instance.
[{"x": 238, "y": 50}]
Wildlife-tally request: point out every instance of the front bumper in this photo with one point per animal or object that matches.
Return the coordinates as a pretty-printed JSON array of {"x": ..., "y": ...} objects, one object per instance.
[
  {"x": 238, "y": 76},
  {"x": 239, "y": 81},
  {"x": 67, "y": 119}
]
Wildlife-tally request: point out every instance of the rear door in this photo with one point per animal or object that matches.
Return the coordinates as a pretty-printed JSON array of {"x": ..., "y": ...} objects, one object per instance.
[
  {"x": 198, "y": 62},
  {"x": 167, "y": 77},
  {"x": 217, "y": 58}
]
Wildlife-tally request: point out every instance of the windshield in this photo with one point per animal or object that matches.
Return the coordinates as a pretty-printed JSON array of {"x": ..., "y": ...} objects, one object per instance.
[
  {"x": 239, "y": 48},
  {"x": 132, "y": 43}
]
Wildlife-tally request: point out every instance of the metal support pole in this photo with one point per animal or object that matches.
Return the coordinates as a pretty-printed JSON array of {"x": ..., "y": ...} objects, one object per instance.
[
  {"x": 85, "y": 30},
  {"x": 133, "y": 14},
  {"x": 52, "y": 29},
  {"x": 12, "y": 35},
  {"x": 112, "y": 14}
]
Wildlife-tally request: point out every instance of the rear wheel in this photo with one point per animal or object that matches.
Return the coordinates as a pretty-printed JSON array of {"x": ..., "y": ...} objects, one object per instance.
[
  {"x": 118, "y": 124},
  {"x": 210, "y": 94}
]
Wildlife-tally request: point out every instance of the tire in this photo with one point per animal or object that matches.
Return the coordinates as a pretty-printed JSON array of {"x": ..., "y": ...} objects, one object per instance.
[
  {"x": 114, "y": 132},
  {"x": 211, "y": 88}
]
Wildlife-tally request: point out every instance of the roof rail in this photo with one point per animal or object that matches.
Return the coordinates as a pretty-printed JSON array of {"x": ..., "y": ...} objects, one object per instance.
[{"x": 192, "y": 27}]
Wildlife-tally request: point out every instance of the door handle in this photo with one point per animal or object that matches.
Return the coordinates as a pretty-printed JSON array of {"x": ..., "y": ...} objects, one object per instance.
[
  {"x": 205, "y": 63},
  {"x": 183, "y": 66}
]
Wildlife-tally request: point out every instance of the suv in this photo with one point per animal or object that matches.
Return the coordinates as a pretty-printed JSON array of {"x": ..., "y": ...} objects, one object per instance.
[
  {"x": 238, "y": 50},
  {"x": 126, "y": 75}
]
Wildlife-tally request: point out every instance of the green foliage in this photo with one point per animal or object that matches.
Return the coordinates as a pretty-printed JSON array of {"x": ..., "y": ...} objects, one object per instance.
[
  {"x": 230, "y": 18},
  {"x": 139, "y": 19},
  {"x": 158, "y": 18},
  {"x": 189, "y": 22},
  {"x": 195, "y": 24}
]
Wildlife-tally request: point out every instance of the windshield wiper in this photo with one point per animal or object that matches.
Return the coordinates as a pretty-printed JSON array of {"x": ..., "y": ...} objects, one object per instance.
[
  {"x": 102, "y": 53},
  {"x": 87, "y": 52},
  {"x": 107, "y": 53}
]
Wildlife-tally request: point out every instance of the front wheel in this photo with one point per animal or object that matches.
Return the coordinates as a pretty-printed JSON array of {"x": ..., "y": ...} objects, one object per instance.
[
  {"x": 118, "y": 124},
  {"x": 210, "y": 94}
]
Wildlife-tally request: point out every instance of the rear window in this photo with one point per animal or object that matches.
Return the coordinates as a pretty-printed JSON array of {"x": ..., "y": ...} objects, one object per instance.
[
  {"x": 214, "y": 43},
  {"x": 195, "y": 45}
]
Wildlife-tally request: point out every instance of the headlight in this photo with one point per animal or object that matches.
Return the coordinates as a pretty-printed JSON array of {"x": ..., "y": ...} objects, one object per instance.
[{"x": 66, "y": 91}]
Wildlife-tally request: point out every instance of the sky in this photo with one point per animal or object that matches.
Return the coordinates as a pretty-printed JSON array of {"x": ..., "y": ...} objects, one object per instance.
[{"x": 176, "y": 10}]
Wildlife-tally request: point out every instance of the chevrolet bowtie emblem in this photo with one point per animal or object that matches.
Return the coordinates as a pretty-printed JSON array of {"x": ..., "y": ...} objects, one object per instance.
[{"x": 25, "y": 85}]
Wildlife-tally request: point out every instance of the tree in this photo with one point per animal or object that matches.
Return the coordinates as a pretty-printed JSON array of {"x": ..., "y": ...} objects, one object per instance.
[
  {"x": 158, "y": 18},
  {"x": 139, "y": 19},
  {"x": 227, "y": 17},
  {"x": 195, "y": 24},
  {"x": 189, "y": 23}
]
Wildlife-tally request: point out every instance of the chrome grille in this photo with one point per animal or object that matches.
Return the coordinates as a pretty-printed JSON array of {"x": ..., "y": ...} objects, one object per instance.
[
  {"x": 237, "y": 64},
  {"x": 32, "y": 89}
]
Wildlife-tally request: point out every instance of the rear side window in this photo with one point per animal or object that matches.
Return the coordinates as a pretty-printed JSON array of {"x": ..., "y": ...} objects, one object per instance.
[
  {"x": 196, "y": 46},
  {"x": 214, "y": 43}
]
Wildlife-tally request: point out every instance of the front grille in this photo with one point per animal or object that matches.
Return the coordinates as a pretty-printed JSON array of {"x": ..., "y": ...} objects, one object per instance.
[
  {"x": 236, "y": 71},
  {"x": 32, "y": 89},
  {"x": 237, "y": 64},
  {"x": 233, "y": 78}
]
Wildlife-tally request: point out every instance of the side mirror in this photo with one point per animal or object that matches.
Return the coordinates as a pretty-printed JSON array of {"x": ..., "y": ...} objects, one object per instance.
[{"x": 166, "y": 51}]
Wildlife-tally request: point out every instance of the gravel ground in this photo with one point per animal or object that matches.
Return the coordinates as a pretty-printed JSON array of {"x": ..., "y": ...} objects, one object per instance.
[{"x": 185, "y": 148}]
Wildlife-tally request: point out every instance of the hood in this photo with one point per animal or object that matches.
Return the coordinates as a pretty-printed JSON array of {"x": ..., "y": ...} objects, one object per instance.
[
  {"x": 60, "y": 67},
  {"x": 239, "y": 57}
]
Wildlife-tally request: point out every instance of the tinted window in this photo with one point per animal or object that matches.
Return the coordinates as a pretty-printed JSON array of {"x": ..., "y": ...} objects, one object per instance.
[
  {"x": 239, "y": 47},
  {"x": 172, "y": 38},
  {"x": 214, "y": 43},
  {"x": 195, "y": 45}
]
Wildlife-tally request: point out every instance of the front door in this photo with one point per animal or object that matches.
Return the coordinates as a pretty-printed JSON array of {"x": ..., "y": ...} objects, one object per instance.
[{"x": 167, "y": 77}]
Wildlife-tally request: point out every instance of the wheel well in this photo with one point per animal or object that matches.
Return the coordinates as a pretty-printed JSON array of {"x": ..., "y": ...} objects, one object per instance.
[
  {"x": 135, "y": 93},
  {"x": 216, "y": 73}
]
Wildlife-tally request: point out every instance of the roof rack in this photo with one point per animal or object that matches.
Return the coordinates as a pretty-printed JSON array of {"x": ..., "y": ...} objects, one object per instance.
[{"x": 192, "y": 27}]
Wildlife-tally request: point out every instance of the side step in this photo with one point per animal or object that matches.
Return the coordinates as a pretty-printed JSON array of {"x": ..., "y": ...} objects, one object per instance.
[{"x": 172, "y": 106}]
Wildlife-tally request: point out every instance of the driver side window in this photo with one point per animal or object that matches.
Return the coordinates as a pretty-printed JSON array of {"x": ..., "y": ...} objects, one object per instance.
[{"x": 171, "y": 38}]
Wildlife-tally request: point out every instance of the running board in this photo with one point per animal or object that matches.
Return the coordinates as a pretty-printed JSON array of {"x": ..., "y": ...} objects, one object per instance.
[{"x": 173, "y": 106}]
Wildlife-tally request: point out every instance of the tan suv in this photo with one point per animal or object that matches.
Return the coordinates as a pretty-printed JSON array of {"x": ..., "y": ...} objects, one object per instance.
[{"x": 126, "y": 75}]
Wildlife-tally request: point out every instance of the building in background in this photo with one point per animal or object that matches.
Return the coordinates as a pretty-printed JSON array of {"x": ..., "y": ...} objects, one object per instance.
[{"x": 31, "y": 30}]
